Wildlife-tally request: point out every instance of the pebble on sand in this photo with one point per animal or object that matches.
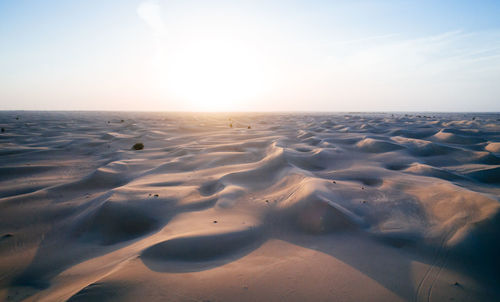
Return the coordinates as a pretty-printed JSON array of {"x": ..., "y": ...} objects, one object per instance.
[
  {"x": 138, "y": 146},
  {"x": 8, "y": 235}
]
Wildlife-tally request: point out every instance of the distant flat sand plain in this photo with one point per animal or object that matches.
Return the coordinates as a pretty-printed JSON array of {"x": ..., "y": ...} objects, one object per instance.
[{"x": 296, "y": 207}]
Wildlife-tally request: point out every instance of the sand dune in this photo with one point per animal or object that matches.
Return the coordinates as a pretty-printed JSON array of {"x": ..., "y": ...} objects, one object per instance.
[{"x": 296, "y": 207}]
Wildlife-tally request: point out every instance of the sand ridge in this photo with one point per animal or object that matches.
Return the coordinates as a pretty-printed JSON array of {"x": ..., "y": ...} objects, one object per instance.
[{"x": 406, "y": 206}]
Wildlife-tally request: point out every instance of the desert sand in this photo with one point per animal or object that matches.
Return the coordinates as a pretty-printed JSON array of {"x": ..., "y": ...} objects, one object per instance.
[{"x": 296, "y": 207}]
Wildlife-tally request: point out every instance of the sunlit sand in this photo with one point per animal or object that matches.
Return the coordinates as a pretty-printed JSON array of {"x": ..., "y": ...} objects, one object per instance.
[{"x": 249, "y": 207}]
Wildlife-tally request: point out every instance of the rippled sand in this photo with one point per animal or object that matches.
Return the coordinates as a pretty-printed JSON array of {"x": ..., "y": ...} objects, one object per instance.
[{"x": 249, "y": 207}]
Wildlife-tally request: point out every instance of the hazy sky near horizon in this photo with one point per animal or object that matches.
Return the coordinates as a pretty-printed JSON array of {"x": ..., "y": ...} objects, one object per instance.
[{"x": 260, "y": 55}]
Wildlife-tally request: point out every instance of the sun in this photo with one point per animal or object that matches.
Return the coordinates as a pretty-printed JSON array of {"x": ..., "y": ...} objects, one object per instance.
[{"x": 211, "y": 74}]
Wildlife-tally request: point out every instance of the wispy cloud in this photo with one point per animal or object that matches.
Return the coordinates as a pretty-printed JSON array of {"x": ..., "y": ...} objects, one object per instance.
[
  {"x": 150, "y": 12},
  {"x": 400, "y": 72},
  {"x": 367, "y": 39}
]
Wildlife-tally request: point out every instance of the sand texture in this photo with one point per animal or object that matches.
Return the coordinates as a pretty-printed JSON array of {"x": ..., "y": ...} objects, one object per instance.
[{"x": 249, "y": 207}]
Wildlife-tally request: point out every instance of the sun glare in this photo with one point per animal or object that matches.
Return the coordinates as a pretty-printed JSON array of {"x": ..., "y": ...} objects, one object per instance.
[{"x": 211, "y": 74}]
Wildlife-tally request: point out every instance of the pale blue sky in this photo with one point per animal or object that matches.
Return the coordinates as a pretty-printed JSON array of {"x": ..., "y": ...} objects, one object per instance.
[{"x": 250, "y": 55}]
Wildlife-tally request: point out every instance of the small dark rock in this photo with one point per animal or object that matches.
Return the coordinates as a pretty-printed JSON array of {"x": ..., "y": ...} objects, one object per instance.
[
  {"x": 156, "y": 195},
  {"x": 17, "y": 117},
  {"x": 249, "y": 127},
  {"x": 3, "y": 130},
  {"x": 138, "y": 146},
  {"x": 122, "y": 121},
  {"x": 6, "y": 236},
  {"x": 215, "y": 221},
  {"x": 334, "y": 182}
]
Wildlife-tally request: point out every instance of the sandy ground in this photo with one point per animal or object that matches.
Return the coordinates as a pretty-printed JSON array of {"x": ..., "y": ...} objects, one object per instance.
[{"x": 249, "y": 207}]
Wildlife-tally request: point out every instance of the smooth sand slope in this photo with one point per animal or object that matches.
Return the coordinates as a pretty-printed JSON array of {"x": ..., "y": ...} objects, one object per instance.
[{"x": 296, "y": 207}]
